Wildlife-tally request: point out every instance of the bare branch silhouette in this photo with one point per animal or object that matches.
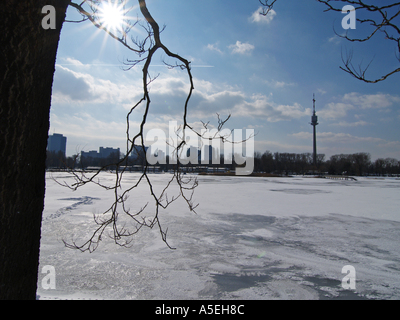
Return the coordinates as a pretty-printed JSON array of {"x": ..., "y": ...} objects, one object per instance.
[
  {"x": 382, "y": 17},
  {"x": 122, "y": 222},
  {"x": 267, "y": 6}
]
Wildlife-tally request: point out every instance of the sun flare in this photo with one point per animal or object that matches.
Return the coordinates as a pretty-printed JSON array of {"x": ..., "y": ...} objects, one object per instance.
[{"x": 112, "y": 16}]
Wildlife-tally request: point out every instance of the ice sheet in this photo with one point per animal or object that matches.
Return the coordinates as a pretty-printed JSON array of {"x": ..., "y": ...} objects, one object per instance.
[{"x": 252, "y": 238}]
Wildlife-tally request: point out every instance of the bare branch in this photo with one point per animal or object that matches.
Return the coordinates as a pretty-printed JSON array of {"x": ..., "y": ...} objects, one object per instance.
[
  {"x": 267, "y": 6},
  {"x": 381, "y": 18},
  {"x": 94, "y": 18},
  {"x": 114, "y": 218}
]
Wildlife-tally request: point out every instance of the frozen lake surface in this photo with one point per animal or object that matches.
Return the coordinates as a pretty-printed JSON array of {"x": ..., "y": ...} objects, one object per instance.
[{"x": 252, "y": 238}]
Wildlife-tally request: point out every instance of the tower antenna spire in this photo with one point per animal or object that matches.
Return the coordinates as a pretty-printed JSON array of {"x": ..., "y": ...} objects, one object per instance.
[
  {"x": 314, "y": 123},
  {"x": 313, "y": 103}
]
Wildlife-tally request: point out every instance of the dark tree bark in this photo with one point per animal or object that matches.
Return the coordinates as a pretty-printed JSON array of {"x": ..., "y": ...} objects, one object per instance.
[{"x": 27, "y": 64}]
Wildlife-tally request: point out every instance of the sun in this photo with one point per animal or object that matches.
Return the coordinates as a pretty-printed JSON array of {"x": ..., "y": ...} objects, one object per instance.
[{"x": 112, "y": 15}]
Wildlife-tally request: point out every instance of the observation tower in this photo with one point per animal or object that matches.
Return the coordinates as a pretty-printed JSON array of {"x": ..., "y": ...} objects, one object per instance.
[{"x": 314, "y": 123}]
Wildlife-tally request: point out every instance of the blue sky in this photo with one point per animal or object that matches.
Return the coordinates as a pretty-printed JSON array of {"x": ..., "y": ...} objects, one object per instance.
[{"x": 262, "y": 71}]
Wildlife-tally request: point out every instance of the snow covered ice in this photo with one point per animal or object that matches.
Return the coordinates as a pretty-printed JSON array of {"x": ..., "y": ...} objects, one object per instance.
[{"x": 252, "y": 238}]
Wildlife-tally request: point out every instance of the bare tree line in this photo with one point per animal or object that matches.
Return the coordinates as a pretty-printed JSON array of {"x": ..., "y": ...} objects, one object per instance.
[
  {"x": 357, "y": 164},
  {"x": 281, "y": 163}
]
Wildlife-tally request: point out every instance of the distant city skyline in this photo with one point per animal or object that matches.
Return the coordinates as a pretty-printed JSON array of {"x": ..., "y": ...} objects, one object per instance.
[
  {"x": 207, "y": 158},
  {"x": 104, "y": 152}
]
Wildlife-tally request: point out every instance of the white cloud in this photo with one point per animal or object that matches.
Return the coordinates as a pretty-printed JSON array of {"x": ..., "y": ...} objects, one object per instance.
[
  {"x": 86, "y": 132},
  {"x": 279, "y": 84},
  {"x": 79, "y": 87},
  {"x": 74, "y": 62},
  {"x": 335, "y": 110},
  {"x": 334, "y": 39},
  {"x": 169, "y": 85},
  {"x": 241, "y": 48},
  {"x": 168, "y": 94},
  {"x": 214, "y": 47},
  {"x": 357, "y": 101},
  {"x": 209, "y": 98},
  {"x": 260, "y": 106},
  {"x": 206, "y": 103},
  {"x": 70, "y": 85},
  {"x": 336, "y": 137},
  {"x": 370, "y": 101},
  {"x": 259, "y": 18},
  {"x": 353, "y": 124}
]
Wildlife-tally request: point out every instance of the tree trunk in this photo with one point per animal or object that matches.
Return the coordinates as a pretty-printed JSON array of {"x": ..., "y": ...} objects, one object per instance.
[{"x": 27, "y": 64}]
